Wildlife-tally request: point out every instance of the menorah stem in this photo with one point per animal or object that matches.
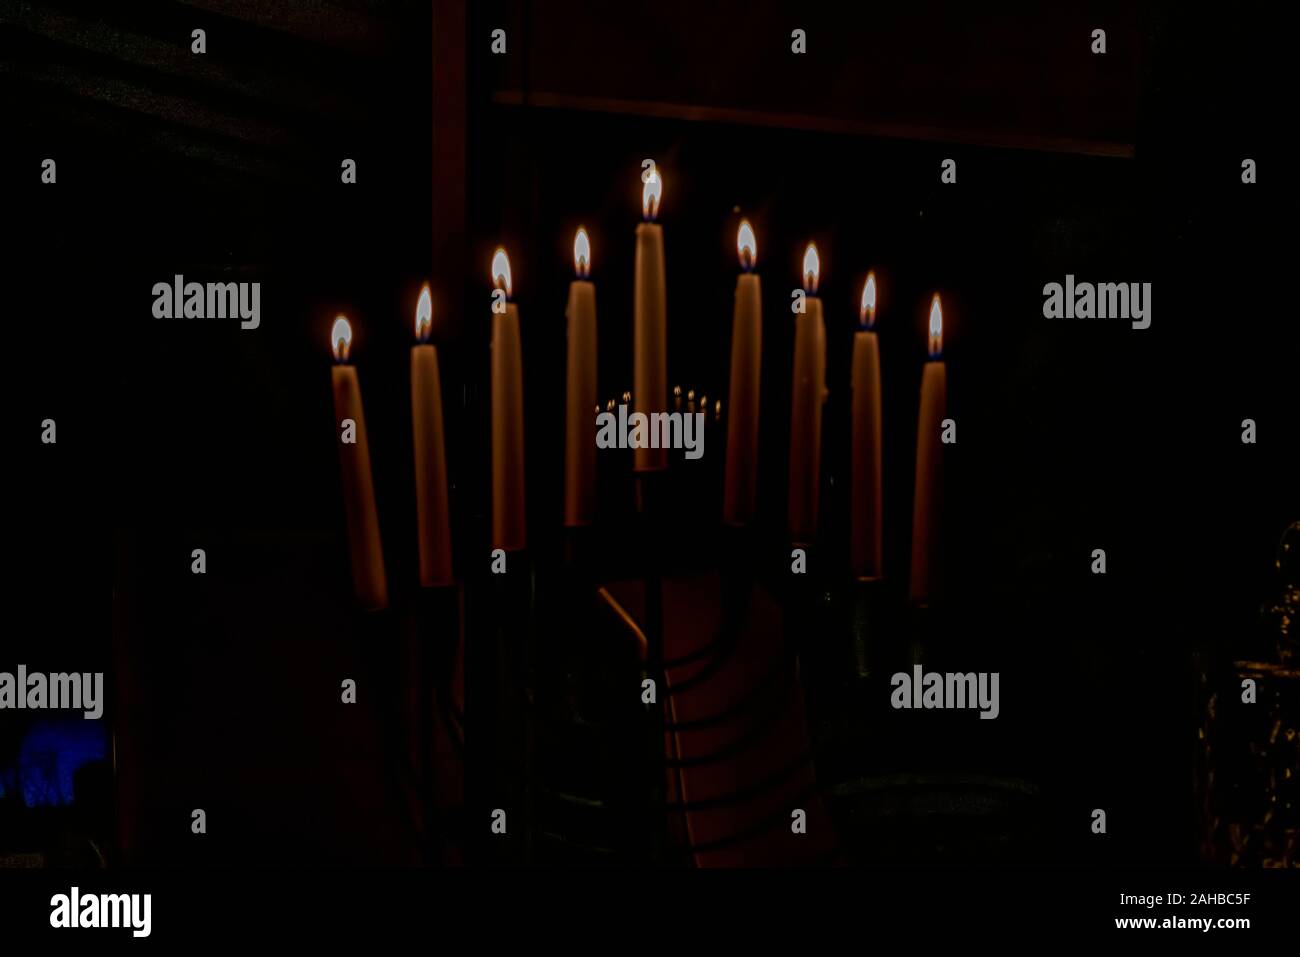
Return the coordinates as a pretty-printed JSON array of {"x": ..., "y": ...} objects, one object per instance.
[{"x": 649, "y": 486}]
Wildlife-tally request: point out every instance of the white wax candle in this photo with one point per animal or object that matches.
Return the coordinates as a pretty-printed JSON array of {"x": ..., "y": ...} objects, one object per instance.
[
  {"x": 580, "y": 393},
  {"x": 432, "y": 514},
  {"x": 808, "y": 389},
  {"x": 369, "y": 581},
  {"x": 508, "y": 525},
  {"x": 741, "y": 478},
  {"x": 927, "y": 507},
  {"x": 865, "y": 552},
  {"x": 650, "y": 322}
]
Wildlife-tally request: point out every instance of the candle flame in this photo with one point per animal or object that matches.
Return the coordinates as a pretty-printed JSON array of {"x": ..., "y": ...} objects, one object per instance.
[
  {"x": 746, "y": 245},
  {"x": 424, "y": 314},
  {"x": 341, "y": 338},
  {"x": 868, "y": 311},
  {"x": 936, "y": 326},
  {"x": 812, "y": 267},
  {"x": 582, "y": 254},
  {"x": 501, "y": 270},
  {"x": 650, "y": 193}
]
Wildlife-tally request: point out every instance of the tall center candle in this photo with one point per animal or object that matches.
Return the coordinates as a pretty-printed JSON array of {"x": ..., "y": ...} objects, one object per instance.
[
  {"x": 580, "y": 395},
  {"x": 741, "y": 478},
  {"x": 927, "y": 507},
  {"x": 508, "y": 531},
  {"x": 369, "y": 581},
  {"x": 650, "y": 321},
  {"x": 807, "y": 390},
  {"x": 432, "y": 514},
  {"x": 864, "y": 474}
]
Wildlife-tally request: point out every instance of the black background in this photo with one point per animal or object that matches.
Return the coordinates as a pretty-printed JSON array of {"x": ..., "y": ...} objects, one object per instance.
[{"x": 176, "y": 435}]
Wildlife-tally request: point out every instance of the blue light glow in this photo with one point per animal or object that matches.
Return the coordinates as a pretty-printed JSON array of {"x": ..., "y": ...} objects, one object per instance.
[{"x": 49, "y": 756}]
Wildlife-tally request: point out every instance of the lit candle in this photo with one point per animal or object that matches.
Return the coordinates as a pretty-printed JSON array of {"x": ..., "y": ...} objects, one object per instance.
[
  {"x": 864, "y": 475},
  {"x": 508, "y": 530},
  {"x": 580, "y": 441},
  {"x": 741, "y": 479},
  {"x": 369, "y": 582},
  {"x": 807, "y": 393},
  {"x": 432, "y": 515},
  {"x": 927, "y": 505},
  {"x": 650, "y": 321}
]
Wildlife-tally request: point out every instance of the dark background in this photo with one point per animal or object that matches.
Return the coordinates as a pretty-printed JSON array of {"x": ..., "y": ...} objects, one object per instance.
[{"x": 1072, "y": 435}]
